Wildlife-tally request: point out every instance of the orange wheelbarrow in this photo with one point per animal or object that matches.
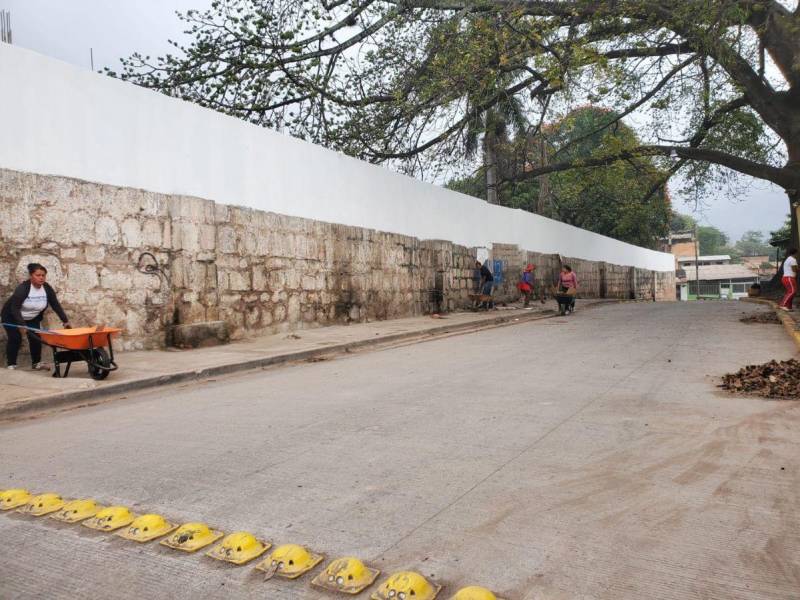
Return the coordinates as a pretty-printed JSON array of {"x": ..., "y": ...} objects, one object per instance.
[{"x": 86, "y": 344}]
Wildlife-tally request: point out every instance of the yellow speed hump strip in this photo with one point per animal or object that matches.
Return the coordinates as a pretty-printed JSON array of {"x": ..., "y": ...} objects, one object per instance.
[
  {"x": 14, "y": 498},
  {"x": 146, "y": 527},
  {"x": 190, "y": 537},
  {"x": 76, "y": 510},
  {"x": 347, "y": 575},
  {"x": 239, "y": 548},
  {"x": 110, "y": 519},
  {"x": 406, "y": 585},
  {"x": 42, "y": 504},
  {"x": 289, "y": 561},
  {"x": 474, "y": 592}
]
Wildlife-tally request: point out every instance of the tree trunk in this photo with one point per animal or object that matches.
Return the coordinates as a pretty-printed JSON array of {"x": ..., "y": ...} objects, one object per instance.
[
  {"x": 544, "y": 182},
  {"x": 794, "y": 212},
  {"x": 490, "y": 165}
]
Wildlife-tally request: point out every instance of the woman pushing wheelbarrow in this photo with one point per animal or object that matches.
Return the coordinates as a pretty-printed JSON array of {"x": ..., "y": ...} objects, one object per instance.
[
  {"x": 566, "y": 290},
  {"x": 24, "y": 311}
]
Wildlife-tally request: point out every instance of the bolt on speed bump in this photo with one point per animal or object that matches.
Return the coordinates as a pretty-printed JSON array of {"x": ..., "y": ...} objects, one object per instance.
[
  {"x": 42, "y": 504},
  {"x": 110, "y": 519},
  {"x": 239, "y": 548},
  {"x": 146, "y": 527},
  {"x": 77, "y": 510},
  {"x": 289, "y": 561},
  {"x": 348, "y": 575},
  {"x": 190, "y": 537},
  {"x": 13, "y": 498},
  {"x": 406, "y": 585},
  {"x": 474, "y": 592}
]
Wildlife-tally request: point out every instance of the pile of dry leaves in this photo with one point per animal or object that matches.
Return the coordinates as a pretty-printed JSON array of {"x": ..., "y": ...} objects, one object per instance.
[
  {"x": 761, "y": 317},
  {"x": 772, "y": 380}
]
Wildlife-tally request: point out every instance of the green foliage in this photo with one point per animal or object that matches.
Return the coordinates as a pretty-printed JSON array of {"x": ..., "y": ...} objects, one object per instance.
[
  {"x": 712, "y": 240},
  {"x": 681, "y": 222},
  {"x": 780, "y": 237},
  {"x": 753, "y": 243},
  {"x": 614, "y": 200}
]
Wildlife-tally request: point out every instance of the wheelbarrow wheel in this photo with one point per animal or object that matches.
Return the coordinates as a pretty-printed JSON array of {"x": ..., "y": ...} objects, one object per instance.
[{"x": 99, "y": 359}]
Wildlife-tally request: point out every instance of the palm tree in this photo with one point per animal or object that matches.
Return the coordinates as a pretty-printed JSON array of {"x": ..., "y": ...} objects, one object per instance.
[{"x": 492, "y": 129}]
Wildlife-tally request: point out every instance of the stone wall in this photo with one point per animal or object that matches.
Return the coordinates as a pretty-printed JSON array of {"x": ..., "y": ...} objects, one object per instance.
[{"x": 144, "y": 261}]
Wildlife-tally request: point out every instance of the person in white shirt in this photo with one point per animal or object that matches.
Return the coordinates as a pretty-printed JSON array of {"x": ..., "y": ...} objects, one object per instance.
[
  {"x": 789, "y": 278},
  {"x": 26, "y": 307}
]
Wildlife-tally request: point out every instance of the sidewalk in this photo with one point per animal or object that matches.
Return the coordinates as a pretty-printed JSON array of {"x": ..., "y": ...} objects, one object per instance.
[
  {"x": 790, "y": 320},
  {"x": 24, "y": 391}
]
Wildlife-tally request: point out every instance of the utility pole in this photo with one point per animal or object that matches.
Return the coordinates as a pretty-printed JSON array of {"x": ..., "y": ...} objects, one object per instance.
[
  {"x": 696, "y": 263},
  {"x": 91, "y": 58},
  {"x": 5, "y": 27}
]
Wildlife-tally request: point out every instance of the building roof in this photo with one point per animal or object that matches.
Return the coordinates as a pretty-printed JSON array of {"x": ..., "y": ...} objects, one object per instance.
[
  {"x": 721, "y": 273},
  {"x": 710, "y": 257}
]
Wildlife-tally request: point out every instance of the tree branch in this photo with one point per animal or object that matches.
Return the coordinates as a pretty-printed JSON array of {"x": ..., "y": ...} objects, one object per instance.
[{"x": 781, "y": 176}]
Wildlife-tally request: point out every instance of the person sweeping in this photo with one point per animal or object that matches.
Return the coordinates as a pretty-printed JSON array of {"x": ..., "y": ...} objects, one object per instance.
[{"x": 525, "y": 285}]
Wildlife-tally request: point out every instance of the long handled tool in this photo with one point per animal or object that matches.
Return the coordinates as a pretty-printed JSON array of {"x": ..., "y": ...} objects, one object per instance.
[{"x": 48, "y": 331}]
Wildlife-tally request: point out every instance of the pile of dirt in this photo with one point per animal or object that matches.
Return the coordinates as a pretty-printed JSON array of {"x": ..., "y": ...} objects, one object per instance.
[
  {"x": 761, "y": 317},
  {"x": 771, "y": 380}
]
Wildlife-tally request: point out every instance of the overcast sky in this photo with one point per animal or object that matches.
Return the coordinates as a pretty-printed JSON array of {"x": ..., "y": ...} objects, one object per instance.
[{"x": 114, "y": 28}]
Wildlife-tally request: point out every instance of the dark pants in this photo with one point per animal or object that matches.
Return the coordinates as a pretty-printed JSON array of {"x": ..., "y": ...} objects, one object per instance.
[{"x": 15, "y": 341}]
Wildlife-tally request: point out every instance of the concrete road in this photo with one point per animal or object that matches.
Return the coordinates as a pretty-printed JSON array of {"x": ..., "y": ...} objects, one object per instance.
[{"x": 581, "y": 457}]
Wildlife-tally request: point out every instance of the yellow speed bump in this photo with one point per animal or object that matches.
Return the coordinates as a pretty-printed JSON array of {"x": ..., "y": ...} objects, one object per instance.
[
  {"x": 146, "y": 528},
  {"x": 110, "y": 518},
  {"x": 348, "y": 575},
  {"x": 474, "y": 592},
  {"x": 238, "y": 548},
  {"x": 191, "y": 537},
  {"x": 406, "y": 585},
  {"x": 289, "y": 561},
  {"x": 43, "y": 504},
  {"x": 77, "y": 510},
  {"x": 13, "y": 498}
]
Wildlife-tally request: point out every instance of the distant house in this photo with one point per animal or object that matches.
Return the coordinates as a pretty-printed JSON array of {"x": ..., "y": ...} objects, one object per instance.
[
  {"x": 760, "y": 264},
  {"x": 718, "y": 281},
  {"x": 686, "y": 262},
  {"x": 680, "y": 243}
]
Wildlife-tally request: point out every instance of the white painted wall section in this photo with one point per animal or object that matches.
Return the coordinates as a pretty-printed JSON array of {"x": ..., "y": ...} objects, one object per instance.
[{"x": 61, "y": 120}]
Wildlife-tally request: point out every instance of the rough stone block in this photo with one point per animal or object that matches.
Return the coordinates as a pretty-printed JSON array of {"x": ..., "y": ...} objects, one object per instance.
[
  {"x": 106, "y": 231},
  {"x": 186, "y": 237},
  {"x": 81, "y": 277},
  {"x": 116, "y": 280},
  {"x": 131, "y": 233},
  {"x": 200, "y": 335},
  {"x": 151, "y": 233}
]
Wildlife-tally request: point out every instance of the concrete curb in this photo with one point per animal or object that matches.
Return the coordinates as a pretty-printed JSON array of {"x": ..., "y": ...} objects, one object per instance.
[
  {"x": 52, "y": 401},
  {"x": 791, "y": 326}
]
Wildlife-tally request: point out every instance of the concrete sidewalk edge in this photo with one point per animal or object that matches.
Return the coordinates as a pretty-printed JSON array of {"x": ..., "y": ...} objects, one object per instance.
[
  {"x": 53, "y": 401},
  {"x": 790, "y": 324}
]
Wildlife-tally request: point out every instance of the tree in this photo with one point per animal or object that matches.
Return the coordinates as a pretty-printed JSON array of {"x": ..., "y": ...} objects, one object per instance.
[
  {"x": 781, "y": 237},
  {"x": 712, "y": 240},
  {"x": 614, "y": 201},
  {"x": 752, "y": 243},
  {"x": 387, "y": 80},
  {"x": 681, "y": 222}
]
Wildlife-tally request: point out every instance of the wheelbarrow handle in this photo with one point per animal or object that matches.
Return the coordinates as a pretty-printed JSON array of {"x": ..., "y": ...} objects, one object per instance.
[{"x": 49, "y": 332}]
